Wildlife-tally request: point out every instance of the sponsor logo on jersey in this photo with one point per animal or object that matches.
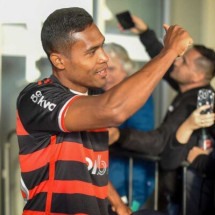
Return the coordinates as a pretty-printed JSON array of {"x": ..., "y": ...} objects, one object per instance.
[
  {"x": 96, "y": 167},
  {"x": 39, "y": 99}
]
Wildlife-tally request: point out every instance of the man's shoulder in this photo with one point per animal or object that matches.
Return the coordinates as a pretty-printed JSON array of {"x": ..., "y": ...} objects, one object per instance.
[
  {"x": 44, "y": 90},
  {"x": 192, "y": 94},
  {"x": 46, "y": 84}
]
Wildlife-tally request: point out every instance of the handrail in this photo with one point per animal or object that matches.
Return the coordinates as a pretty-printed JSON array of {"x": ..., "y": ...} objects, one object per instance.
[{"x": 118, "y": 151}]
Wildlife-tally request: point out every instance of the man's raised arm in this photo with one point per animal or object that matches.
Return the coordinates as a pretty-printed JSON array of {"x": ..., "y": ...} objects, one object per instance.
[{"x": 117, "y": 104}]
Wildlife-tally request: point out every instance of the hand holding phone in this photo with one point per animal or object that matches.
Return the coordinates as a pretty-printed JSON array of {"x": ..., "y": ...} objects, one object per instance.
[
  {"x": 206, "y": 97},
  {"x": 125, "y": 20}
]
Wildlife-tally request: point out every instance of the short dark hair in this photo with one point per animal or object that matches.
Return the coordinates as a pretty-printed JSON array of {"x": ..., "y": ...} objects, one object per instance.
[
  {"x": 207, "y": 61},
  {"x": 57, "y": 30}
]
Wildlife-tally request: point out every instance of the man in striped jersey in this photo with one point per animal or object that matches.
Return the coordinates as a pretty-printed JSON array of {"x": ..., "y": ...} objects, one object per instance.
[{"x": 62, "y": 125}]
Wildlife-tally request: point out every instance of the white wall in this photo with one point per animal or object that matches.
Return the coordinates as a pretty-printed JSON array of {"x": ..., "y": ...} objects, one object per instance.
[{"x": 21, "y": 25}]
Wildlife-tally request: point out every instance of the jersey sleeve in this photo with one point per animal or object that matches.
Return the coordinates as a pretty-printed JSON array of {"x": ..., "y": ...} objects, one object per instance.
[{"x": 43, "y": 108}]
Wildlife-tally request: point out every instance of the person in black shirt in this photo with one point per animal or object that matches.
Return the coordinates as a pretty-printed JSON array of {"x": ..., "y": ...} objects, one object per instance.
[{"x": 189, "y": 73}]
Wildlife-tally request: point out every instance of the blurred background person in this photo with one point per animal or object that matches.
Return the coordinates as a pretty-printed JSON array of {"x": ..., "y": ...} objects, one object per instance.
[{"x": 120, "y": 66}]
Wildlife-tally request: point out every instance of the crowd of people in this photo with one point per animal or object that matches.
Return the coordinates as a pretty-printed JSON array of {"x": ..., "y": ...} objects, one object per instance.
[
  {"x": 187, "y": 75},
  {"x": 67, "y": 122}
]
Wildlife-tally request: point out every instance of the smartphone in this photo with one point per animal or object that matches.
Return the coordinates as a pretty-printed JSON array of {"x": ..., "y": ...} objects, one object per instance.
[
  {"x": 206, "y": 96},
  {"x": 125, "y": 20}
]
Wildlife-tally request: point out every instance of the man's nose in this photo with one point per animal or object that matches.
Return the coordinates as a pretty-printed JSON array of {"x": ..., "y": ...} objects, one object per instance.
[{"x": 103, "y": 57}]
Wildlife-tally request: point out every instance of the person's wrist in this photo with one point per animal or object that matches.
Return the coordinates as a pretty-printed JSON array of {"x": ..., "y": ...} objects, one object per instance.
[
  {"x": 117, "y": 206},
  {"x": 189, "y": 126},
  {"x": 170, "y": 51},
  {"x": 121, "y": 208},
  {"x": 142, "y": 30},
  {"x": 173, "y": 51}
]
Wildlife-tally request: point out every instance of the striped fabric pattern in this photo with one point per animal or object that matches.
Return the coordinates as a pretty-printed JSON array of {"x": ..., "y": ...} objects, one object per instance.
[{"x": 61, "y": 172}]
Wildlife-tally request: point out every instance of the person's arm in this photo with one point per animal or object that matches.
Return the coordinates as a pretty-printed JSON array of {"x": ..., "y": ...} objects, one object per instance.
[
  {"x": 117, "y": 204},
  {"x": 149, "y": 142},
  {"x": 113, "y": 134},
  {"x": 152, "y": 44},
  {"x": 195, "y": 121},
  {"x": 147, "y": 36},
  {"x": 120, "y": 102},
  {"x": 194, "y": 153},
  {"x": 153, "y": 142},
  {"x": 197, "y": 157},
  {"x": 182, "y": 140}
]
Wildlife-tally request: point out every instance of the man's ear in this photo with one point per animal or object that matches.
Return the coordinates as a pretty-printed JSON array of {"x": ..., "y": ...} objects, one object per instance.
[{"x": 57, "y": 60}]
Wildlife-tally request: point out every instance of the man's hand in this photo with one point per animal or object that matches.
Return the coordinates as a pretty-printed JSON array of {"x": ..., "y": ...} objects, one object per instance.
[
  {"x": 197, "y": 120},
  {"x": 195, "y": 152},
  {"x": 113, "y": 135},
  {"x": 122, "y": 209},
  {"x": 140, "y": 25},
  {"x": 177, "y": 39},
  {"x": 118, "y": 205}
]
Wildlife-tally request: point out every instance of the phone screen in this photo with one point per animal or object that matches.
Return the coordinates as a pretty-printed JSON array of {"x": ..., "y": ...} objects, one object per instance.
[
  {"x": 125, "y": 19},
  {"x": 206, "y": 96}
]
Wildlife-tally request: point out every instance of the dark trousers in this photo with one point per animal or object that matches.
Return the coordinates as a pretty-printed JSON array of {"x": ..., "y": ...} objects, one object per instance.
[{"x": 200, "y": 194}]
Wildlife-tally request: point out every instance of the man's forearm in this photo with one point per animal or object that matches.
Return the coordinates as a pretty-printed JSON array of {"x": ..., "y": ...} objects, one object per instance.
[
  {"x": 117, "y": 204},
  {"x": 140, "y": 85},
  {"x": 120, "y": 102},
  {"x": 151, "y": 43},
  {"x": 150, "y": 142}
]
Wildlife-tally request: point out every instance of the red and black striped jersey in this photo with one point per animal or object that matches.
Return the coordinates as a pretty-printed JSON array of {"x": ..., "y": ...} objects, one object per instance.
[{"x": 61, "y": 172}]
